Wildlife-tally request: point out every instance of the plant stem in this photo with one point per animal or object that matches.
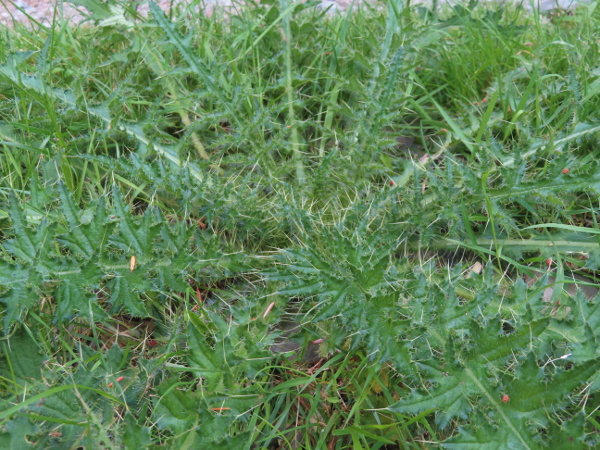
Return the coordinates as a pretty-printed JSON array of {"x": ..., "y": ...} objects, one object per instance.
[{"x": 287, "y": 38}]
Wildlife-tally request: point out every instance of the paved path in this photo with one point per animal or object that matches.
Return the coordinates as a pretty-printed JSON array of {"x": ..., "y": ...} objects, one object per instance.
[{"x": 43, "y": 10}]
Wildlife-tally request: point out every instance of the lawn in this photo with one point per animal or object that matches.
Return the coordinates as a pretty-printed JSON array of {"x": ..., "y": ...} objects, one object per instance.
[{"x": 290, "y": 229}]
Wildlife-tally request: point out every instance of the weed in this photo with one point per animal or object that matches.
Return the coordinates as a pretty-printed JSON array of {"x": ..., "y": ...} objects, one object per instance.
[{"x": 287, "y": 229}]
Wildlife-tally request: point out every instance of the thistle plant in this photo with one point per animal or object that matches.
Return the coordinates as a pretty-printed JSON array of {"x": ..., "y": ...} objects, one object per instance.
[{"x": 290, "y": 229}]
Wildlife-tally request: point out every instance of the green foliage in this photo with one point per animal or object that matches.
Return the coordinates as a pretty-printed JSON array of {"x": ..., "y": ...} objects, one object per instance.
[
  {"x": 94, "y": 254},
  {"x": 350, "y": 274},
  {"x": 298, "y": 230}
]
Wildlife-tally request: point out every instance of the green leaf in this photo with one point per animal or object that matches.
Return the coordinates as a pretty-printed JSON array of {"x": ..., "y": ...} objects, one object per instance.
[
  {"x": 17, "y": 300},
  {"x": 531, "y": 394},
  {"x": 125, "y": 294},
  {"x": 134, "y": 239},
  {"x": 99, "y": 9},
  {"x": 561, "y": 226},
  {"x": 72, "y": 300},
  {"x": 17, "y": 434},
  {"x": 450, "y": 397},
  {"x": 484, "y": 436},
  {"x": 21, "y": 359},
  {"x": 13, "y": 274},
  {"x": 183, "y": 46},
  {"x": 74, "y": 222},
  {"x": 24, "y": 244},
  {"x": 84, "y": 239},
  {"x": 175, "y": 409},
  {"x": 493, "y": 347},
  {"x": 135, "y": 436},
  {"x": 194, "y": 423},
  {"x": 206, "y": 361},
  {"x": 570, "y": 435},
  {"x": 530, "y": 398}
]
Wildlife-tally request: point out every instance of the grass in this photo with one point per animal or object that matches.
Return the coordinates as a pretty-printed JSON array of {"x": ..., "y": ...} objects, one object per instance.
[{"x": 290, "y": 229}]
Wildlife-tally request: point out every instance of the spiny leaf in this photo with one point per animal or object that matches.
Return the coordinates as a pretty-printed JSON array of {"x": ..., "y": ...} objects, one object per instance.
[
  {"x": 206, "y": 361},
  {"x": 36, "y": 84},
  {"x": 73, "y": 300},
  {"x": 484, "y": 436},
  {"x": 179, "y": 411},
  {"x": 17, "y": 300},
  {"x": 78, "y": 237},
  {"x": 531, "y": 394},
  {"x": 465, "y": 378},
  {"x": 493, "y": 347},
  {"x": 13, "y": 274},
  {"x": 128, "y": 229},
  {"x": 16, "y": 434},
  {"x": 584, "y": 183},
  {"x": 570, "y": 435},
  {"x": 22, "y": 245},
  {"x": 134, "y": 434},
  {"x": 450, "y": 397},
  {"x": 529, "y": 399},
  {"x": 125, "y": 294},
  {"x": 183, "y": 46},
  {"x": 16, "y": 366}
]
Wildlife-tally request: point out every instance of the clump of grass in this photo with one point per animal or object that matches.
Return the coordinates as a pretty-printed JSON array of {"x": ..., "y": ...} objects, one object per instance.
[{"x": 290, "y": 229}]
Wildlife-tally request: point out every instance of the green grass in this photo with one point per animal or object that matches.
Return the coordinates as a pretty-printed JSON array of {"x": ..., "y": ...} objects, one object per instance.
[{"x": 288, "y": 229}]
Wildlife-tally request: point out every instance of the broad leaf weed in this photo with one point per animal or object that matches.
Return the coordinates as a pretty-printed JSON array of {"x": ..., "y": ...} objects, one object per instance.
[{"x": 285, "y": 228}]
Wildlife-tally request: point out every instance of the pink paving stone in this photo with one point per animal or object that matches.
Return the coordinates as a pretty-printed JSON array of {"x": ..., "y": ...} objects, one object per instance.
[{"x": 43, "y": 10}]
